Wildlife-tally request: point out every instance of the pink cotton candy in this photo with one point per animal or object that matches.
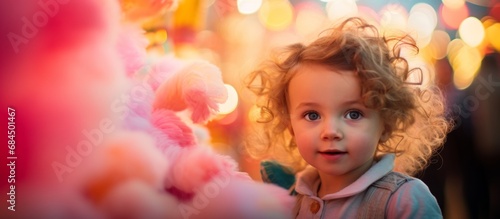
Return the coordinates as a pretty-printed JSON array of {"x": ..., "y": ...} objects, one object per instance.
[
  {"x": 229, "y": 196},
  {"x": 161, "y": 69},
  {"x": 203, "y": 90},
  {"x": 168, "y": 147},
  {"x": 193, "y": 168},
  {"x": 198, "y": 86},
  {"x": 132, "y": 48},
  {"x": 135, "y": 199},
  {"x": 98, "y": 137},
  {"x": 172, "y": 126},
  {"x": 126, "y": 156},
  {"x": 135, "y": 107},
  {"x": 57, "y": 79},
  {"x": 51, "y": 202},
  {"x": 169, "y": 94}
]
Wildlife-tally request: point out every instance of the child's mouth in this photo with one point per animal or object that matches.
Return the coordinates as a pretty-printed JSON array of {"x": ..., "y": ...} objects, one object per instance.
[
  {"x": 332, "y": 152},
  {"x": 332, "y": 155}
]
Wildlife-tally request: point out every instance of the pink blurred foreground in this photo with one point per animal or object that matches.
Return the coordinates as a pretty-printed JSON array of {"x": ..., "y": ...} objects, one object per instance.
[{"x": 101, "y": 132}]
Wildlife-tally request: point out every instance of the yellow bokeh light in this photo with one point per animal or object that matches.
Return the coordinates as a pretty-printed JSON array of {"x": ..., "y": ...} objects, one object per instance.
[
  {"x": 471, "y": 31},
  {"x": 438, "y": 45},
  {"x": 186, "y": 52},
  {"x": 161, "y": 36},
  {"x": 492, "y": 33},
  {"x": 336, "y": 9},
  {"x": 465, "y": 61},
  {"x": 488, "y": 21},
  {"x": 453, "y": 47},
  {"x": 276, "y": 14},
  {"x": 454, "y": 3},
  {"x": 248, "y": 6},
  {"x": 231, "y": 102}
]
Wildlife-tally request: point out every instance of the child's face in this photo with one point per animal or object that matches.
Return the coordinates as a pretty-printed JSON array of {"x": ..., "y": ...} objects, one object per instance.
[{"x": 333, "y": 129}]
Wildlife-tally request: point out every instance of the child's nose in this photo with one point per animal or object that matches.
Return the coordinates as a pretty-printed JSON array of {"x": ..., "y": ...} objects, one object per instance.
[{"x": 331, "y": 131}]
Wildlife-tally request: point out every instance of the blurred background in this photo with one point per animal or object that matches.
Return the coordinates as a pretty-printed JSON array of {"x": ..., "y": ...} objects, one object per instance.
[{"x": 459, "y": 42}]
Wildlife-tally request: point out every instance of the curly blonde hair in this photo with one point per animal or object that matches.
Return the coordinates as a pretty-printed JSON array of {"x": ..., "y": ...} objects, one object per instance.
[{"x": 413, "y": 115}]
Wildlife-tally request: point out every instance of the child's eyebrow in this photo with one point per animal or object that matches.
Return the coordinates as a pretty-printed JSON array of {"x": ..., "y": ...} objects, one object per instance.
[
  {"x": 307, "y": 104},
  {"x": 345, "y": 103}
]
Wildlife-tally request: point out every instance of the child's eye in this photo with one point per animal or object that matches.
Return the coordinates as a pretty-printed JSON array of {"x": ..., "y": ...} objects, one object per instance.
[
  {"x": 311, "y": 116},
  {"x": 354, "y": 115}
]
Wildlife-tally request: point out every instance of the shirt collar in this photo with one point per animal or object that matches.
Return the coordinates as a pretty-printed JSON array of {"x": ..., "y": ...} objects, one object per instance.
[{"x": 308, "y": 179}]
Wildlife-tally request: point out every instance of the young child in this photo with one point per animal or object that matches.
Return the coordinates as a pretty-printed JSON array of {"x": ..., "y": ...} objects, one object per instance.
[{"x": 353, "y": 121}]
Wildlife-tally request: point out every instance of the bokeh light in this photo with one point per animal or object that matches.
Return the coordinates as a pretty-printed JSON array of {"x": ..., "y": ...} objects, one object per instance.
[
  {"x": 421, "y": 23},
  {"x": 157, "y": 37},
  {"x": 368, "y": 13},
  {"x": 276, "y": 14},
  {"x": 454, "y": 3},
  {"x": 248, "y": 6},
  {"x": 488, "y": 21},
  {"x": 492, "y": 34},
  {"x": 452, "y": 17},
  {"x": 337, "y": 9},
  {"x": 453, "y": 47},
  {"x": 161, "y": 36},
  {"x": 471, "y": 31},
  {"x": 394, "y": 16},
  {"x": 438, "y": 44},
  {"x": 231, "y": 102},
  {"x": 465, "y": 61}
]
